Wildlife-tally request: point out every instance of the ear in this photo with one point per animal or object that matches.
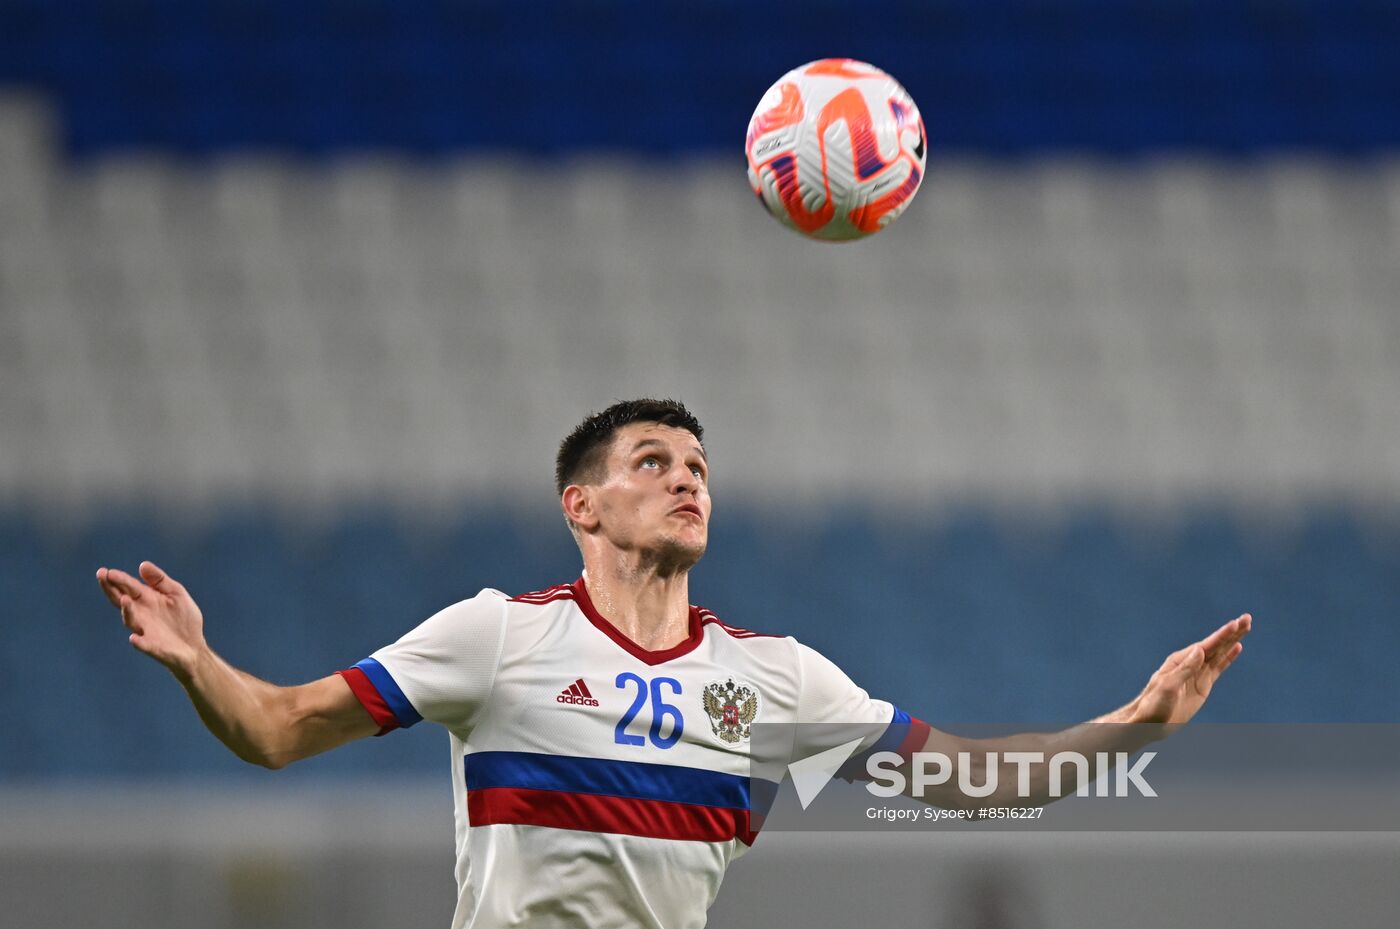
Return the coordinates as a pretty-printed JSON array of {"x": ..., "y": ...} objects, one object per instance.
[{"x": 577, "y": 503}]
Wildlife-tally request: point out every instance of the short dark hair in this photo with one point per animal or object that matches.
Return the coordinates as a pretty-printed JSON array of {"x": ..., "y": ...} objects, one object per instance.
[{"x": 581, "y": 455}]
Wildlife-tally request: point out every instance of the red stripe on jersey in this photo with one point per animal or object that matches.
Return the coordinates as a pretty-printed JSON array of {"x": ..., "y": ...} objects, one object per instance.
[
  {"x": 653, "y": 819},
  {"x": 583, "y": 689},
  {"x": 548, "y": 595},
  {"x": 708, "y": 617},
  {"x": 915, "y": 740},
  {"x": 573, "y": 689},
  {"x": 370, "y": 699}
]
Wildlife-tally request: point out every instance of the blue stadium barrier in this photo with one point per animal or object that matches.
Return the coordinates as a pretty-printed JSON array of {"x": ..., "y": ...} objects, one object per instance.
[
  {"x": 968, "y": 622},
  {"x": 551, "y": 78}
]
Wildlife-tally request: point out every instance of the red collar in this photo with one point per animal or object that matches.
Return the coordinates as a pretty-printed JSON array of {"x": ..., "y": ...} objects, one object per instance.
[{"x": 684, "y": 647}]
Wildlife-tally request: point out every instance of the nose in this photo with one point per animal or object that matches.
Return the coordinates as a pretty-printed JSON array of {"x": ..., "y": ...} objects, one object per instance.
[{"x": 683, "y": 480}]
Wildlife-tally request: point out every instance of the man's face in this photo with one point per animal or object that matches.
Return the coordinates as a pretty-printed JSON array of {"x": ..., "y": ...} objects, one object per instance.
[{"x": 653, "y": 497}]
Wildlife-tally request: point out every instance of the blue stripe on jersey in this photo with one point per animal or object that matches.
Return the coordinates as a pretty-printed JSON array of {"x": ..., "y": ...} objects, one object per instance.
[
  {"x": 894, "y": 735},
  {"x": 635, "y": 779},
  {"x": 388, "y": 688}
]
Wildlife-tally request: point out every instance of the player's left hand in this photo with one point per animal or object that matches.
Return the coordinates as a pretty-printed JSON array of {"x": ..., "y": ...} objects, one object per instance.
[{"x": 1180, "y": 686}]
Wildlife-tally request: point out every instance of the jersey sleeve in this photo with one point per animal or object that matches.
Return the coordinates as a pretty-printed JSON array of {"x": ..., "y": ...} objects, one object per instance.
[
  {"x": 832, "y": 709},
  {"x": 441, "y": 671}
]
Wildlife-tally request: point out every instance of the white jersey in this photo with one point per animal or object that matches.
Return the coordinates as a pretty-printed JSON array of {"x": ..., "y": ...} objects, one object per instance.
[{"x": 596, "y": 783}]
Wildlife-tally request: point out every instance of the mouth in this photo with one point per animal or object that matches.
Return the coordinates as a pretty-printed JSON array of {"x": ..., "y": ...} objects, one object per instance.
[{"x": 690, "y": 508}]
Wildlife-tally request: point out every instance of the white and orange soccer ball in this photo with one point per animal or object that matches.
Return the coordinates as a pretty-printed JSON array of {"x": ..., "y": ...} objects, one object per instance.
[{"x": 836, "y": 149}]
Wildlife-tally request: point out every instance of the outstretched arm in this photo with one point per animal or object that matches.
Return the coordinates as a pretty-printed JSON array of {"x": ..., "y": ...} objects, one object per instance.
[
  {"x": 260, "y": 722},
  {"x": 1173, "y": 695}
]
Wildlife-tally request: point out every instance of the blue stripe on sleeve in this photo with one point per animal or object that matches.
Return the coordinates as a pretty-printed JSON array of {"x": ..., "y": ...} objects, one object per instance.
[
  {"x": 606, "y": 777},
  {"x": 895, "y": 733},
  {"x": 388, "y": 688},
  {"x": 893, "y": 737}
]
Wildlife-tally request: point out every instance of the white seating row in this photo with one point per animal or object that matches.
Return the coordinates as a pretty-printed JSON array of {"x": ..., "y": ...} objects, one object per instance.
[{"x": 378, "y": 326}]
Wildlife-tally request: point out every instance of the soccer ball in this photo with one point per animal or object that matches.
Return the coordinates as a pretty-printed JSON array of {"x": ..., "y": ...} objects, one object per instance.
[{"x": 836, "y": 149}]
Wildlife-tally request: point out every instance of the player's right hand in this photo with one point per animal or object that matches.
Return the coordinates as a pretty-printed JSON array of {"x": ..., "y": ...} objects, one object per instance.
[{"x": 164, "y": 620}]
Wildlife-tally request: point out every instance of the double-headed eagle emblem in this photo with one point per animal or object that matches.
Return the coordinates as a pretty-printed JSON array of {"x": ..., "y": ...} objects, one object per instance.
[{"x": 732, "y": 708}]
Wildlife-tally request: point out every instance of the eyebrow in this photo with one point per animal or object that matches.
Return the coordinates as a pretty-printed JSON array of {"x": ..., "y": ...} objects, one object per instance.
[{"x": 657, "y": 443}]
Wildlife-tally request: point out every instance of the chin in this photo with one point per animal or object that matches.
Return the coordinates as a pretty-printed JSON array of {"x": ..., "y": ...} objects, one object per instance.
[{"x": 680, "y": 555}]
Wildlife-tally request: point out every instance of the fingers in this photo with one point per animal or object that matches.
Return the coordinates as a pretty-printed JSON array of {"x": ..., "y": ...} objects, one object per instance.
[
  {"x": 1227, "y": 657},
  {"x": 129, "y": 616},
  {"x": 1174, "y": 659},
  {"x": 143, "y": 645},
  {"x": 117, "y": 584},
  {"x": 124, "y": 591},
  {"x": 158, "y": 579},
  {"x": 1182, "y": 666},
  {"x": 1212, "y": 641},
  {"x": 1195, "y": 657},
  {"x": 1222, "y": 640},
  {"x": 108, "y": 589}
]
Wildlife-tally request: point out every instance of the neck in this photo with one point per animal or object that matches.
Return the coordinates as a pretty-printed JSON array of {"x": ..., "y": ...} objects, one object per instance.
[{"x": 648, "y": 606}]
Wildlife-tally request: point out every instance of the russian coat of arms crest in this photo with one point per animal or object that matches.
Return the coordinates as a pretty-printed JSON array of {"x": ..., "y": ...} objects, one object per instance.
[{"x": 732, "y": 708}]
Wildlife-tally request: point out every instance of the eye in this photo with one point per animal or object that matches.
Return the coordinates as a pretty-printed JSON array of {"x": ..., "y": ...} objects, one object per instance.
[
  {"x": 650, "y": 462},
  {"x": 698, "y": 472}
]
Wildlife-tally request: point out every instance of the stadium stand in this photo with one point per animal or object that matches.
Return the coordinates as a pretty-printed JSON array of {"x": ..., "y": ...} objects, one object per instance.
[
  {"x": 297, "y": 301},
  {"x": 1108, "y": 402},
  {"x": 1132, "y": 354}
]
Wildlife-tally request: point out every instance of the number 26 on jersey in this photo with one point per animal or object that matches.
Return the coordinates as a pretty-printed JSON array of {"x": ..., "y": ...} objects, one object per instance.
[{"x": 661, "y": 711}]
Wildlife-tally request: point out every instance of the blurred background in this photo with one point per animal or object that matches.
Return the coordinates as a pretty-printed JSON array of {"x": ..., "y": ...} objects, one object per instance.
[{"x": 299, "y": 301}]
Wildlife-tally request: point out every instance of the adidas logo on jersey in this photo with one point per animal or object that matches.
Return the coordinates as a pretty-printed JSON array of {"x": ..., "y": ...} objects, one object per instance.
[{"x": 576, "y": 693}]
